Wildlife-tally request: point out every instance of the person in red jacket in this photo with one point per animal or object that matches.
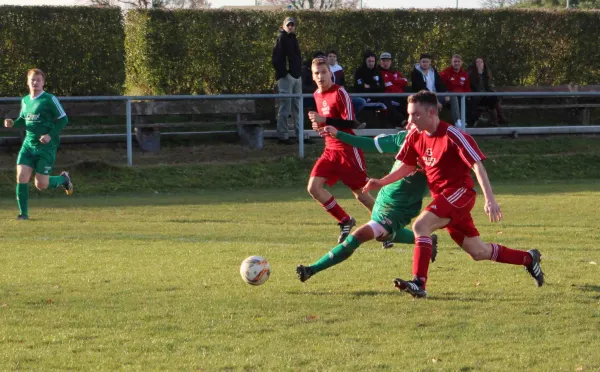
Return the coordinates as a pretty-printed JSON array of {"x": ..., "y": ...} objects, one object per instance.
[
  {"x": 394, "y": 82},
  {"x": 457, "y": 81}
]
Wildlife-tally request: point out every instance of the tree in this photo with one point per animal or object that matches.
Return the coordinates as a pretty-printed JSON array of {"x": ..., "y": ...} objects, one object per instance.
[
  {"x": 147, "y": 4},
  {"x": 313, "y": 4},
  {"x": 544, "y": 4},
  {"x": 496, "y": 4}
]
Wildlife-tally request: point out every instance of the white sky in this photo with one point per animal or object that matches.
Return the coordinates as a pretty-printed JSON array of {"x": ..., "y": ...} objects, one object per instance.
[{"x": 220, "y": 3}]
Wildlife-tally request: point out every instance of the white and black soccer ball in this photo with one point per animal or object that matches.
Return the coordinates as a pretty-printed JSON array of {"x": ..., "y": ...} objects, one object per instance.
[{"x": 255, "y": 270}]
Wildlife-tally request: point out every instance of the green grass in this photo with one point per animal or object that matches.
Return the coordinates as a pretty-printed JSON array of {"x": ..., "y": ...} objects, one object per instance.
[{"x": 151, "y": 282}]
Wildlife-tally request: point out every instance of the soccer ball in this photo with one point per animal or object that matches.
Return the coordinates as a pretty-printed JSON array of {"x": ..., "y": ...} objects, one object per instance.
[{"x": 255, "y": 270}]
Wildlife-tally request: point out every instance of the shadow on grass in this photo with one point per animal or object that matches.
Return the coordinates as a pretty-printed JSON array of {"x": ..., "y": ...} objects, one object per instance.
[
  {"x": 589, "y": 288},
  {"x": 343, "y": 293}
]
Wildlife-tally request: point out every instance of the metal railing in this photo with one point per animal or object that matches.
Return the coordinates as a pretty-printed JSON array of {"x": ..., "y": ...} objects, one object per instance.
[{"x": 301, "y": 131}]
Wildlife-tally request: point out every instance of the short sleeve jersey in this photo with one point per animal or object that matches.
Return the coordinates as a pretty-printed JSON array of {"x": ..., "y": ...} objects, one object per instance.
[
  {"x": 447, "y": 156},
  {"x": 335, "y": 103},
  {"x": 408, "y": 190},
  {"x": 40, "y": 113}
]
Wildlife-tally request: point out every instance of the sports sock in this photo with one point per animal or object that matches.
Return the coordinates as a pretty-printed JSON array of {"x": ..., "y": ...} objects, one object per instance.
[
  {"x": 338, "y": 254},
  {"x": 405, "y": 236},
  {"x": 421, "y": 257},
  {"x": 23, "y": 198},
  {"x": 507, "y": 255},
  {"x": 56, "y": 181},
  {"x": 335, "y": 210}
]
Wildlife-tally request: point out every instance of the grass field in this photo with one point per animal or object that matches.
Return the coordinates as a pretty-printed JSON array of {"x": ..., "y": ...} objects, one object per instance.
[{"x": 152, "y": 282}]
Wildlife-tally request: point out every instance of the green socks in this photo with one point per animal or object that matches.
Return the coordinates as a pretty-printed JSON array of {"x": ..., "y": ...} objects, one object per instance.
[
  {"x": 338, "y": 254},
  {"x": 56, "y": 181},
  {"x": 405, "y": 236},
  {"x": 23, "y": 198}
]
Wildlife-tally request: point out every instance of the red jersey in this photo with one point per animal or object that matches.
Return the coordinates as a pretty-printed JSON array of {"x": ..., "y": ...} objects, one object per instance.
[
  {"x": 335, "y": 103},
  {"x": 456, "y": 81},
  {"x": 446, "y": 155},
  {"x": 394, "y": 81}
]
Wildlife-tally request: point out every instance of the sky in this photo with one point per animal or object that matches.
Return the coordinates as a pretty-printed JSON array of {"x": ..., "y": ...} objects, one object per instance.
[{"x": 220, "y": 3}]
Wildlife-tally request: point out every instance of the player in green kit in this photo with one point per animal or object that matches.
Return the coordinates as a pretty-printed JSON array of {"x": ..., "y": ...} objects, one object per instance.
[
  {"x": 396, "y": 205},
  {"x": 43, "y": 118}
]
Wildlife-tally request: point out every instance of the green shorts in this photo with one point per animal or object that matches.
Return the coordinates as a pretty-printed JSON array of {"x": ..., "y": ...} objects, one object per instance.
[
  {"x": 41, "y": 161},
  {"x": 394, "y": 218}
]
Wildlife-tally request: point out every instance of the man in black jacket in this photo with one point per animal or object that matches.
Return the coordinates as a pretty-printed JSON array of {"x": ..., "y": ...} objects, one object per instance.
[
  {"x": 287, "y": 62},
  {"x": 425, "y": 77}
]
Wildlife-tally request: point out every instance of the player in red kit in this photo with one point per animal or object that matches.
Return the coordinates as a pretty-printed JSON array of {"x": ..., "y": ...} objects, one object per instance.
[
  {"x": 448, "y": 155},
  {"x": 339, "y": 161}
]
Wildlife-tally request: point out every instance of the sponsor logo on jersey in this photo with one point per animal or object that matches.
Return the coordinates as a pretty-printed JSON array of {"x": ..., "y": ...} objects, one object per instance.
[
  {"x": 325, "y": 108},
  {"x": 32, "y": 117},
  {"x": 428, "y": 159}
]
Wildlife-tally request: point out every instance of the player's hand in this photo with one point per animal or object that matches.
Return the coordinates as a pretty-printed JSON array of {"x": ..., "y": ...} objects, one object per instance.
[
  {"x": 45, "y": 138},
  {"x": 373, "y": 184},
  {"x": 367, "y": 86},
  {"x": 8, "y": 123},
  {"x": 329, "y": 130},
  {"x": 492, "y": 209},
  {"x": 315, "y": 117}
]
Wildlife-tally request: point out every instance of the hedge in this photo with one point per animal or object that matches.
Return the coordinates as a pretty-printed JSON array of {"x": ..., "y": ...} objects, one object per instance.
[
  {"x": 219, "y": 51},
  {"x": 89, "y": 51},
  {"x": 81, "y": 49}
]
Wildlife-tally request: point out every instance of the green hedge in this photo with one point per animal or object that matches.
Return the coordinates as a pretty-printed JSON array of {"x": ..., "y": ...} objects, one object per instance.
[
  {"x": 218, "y": 51},
  {"x": 81, "y": 49}
]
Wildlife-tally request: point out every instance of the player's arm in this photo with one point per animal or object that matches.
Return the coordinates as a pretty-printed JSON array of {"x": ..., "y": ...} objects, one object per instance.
[
  {"x": 61, "y": 118},
  {"x": 492, "y": 209},
  {"x": 382, "y": 143},
  {"x": 18, "y": 122},
  {"x": 396, "y": 175}
]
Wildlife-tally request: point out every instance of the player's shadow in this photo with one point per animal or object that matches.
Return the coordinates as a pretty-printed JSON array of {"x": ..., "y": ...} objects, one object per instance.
[
  {"x": 345, "y": 293},
  {"x": 589, "y": 288}
]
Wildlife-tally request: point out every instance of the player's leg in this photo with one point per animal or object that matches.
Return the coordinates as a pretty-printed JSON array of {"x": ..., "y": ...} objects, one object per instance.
[
  {"x": 365, "y": 199},
  {"x": 480, "y": 250},
  {"x": 342, "y": 251},
  {"x": 24, "y": 173},
  {"x": 26, "y": 163},
  {"x": 394, "y": 218},
  {"x": 325, "y": 172},
  {"x": 435, "y": 216},
  {"x": 43, "y": 180}
]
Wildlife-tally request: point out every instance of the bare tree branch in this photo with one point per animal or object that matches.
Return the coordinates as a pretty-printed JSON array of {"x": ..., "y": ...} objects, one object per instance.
[{"x": 314, "y": 4}]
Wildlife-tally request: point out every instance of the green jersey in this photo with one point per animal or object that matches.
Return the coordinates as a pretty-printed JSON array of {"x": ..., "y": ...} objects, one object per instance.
[
  {"x": 407, "y": 191},
  {"x": 41, "y": 115}
]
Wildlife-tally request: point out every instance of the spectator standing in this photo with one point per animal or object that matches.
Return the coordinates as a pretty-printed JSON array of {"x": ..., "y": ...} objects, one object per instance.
[{"x": 287, "y": 62}]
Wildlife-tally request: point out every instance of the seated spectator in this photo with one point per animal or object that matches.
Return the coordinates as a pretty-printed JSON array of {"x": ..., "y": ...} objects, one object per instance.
[
  {"x": 340, "y": 79},
  {"x": 368, "y": 79},
  {"x": 425, "y": 77},
  {"x": 336, "y": 69},
  {"x": 457, "y": 81},
  {"x": 480, "y": 76},
  {"x": 394, "y": 82}
]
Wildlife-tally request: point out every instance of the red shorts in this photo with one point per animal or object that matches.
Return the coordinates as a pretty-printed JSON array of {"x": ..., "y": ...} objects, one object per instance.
[
  {"x": 456, "y": 204},
  {"x": 346, "y": 165}
]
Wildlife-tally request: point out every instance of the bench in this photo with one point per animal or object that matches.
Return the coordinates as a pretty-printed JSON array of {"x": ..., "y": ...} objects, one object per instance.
[
  {"x": 147, "y": 130},
  {"x": 565, "y": 103}
]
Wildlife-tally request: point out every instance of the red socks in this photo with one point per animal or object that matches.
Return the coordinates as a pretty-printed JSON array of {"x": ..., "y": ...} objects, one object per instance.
[
  {"x": 421, "y": 257},
  {"x": 335, "y": 210},
  {"x": 504, "y": 254}
]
